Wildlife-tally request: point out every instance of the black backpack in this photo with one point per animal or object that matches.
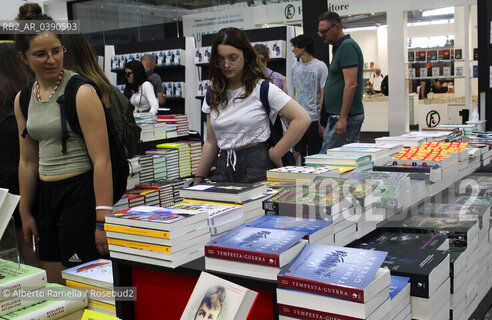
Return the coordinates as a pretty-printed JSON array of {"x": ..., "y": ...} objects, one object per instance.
[
  {"x": 276, "y": 130},
  {"x": 68, "y": 113}
]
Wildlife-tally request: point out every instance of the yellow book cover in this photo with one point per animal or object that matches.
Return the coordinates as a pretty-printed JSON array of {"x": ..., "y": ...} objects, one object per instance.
[
  {"x": 93, "y": 315},
  {"x": 343, "y": 169},
  {"x": 139, "y": 245},
  {"x": 83, "y": 286},
  {"x": 137, "y": 231},
  {"x": 102, "y": 305},
  {"x": 168, "y": 145},
  {"x": 212, "y": 202}
]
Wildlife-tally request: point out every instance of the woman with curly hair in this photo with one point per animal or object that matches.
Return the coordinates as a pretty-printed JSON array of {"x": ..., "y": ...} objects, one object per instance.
[{"x": 237, "y": 123}]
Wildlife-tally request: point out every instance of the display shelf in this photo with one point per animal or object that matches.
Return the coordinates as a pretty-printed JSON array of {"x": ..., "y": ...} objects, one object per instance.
[
  {"x": 146, "y": 145},
  {"x": 435, "y": 61},
  {"x": 440, "y": 77}
]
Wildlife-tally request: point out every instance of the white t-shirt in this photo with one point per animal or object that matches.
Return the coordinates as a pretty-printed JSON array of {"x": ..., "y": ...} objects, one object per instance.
[
  {"x": 244, "y": 121},
  {"x": 144, "y": 100},
  {"x": 376, "y": 81}
]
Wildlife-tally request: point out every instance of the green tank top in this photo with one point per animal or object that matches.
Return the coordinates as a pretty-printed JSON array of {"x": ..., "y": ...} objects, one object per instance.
[{"x": 44, "y": 126}]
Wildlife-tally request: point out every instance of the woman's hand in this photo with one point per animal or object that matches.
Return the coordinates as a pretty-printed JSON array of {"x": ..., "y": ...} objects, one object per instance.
[
  {"x": 101, "y": 242},
  {"x": 275, "y": 158},
  {"x": 30, "y": 229}
]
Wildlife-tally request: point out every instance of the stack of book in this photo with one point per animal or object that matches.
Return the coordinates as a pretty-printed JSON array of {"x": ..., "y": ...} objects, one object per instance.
[
  {"x": 399, "y": 290},
  {"x": 316, "y": 231},
  {"x": 122, "y": 204},
  {"x": 166, "y": 237},
  {"x": 221, "y": 217},
  {"x": 16, "y": 277},
  {"x": 179, "y": 120},
  {"x": 171, "y": 131},
  {"x": 405, "y": 140},
  {"x": 360, "y": 162},
  {"x": 293, "y": 173},
  {"x": 59, "y": 302},
  {"x": 160, "y": 167},
  {"x": 135, "y": 199},
  {"x": 147, "y": 171},
  {"x": 253, "y": 252},
  {"x": 466, "y": 129},
  {"x": 96, "y": 277},
  {"x": 172, "y": 161},
  {"x": 379, "y": 156},
  {"x": 196, "y": 153},
  {"x": 485, "y": 156},
  {"x": 184, "y": 155},
  {"x": 328, "y": 282},
  {"x": 247, "y": 195},
  {"x": 134, "y": 175},
  {"x": 147, "y": 133},
  {"x": 391, "y": 148},
  {"x": 453, "y": 147},
  {"x": 165, "y": 189},
  {"x": 177, "y": 184},
  {"x": 160, "y": 130}
]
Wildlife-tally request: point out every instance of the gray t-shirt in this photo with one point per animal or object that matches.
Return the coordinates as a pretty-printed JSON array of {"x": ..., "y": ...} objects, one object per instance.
[
  {"x": 156, "y": 81},
  {"x": 308, "y": 79}
]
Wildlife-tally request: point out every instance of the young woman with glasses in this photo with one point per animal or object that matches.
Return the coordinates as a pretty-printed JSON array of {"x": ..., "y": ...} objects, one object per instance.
[
  {"x": 138, "y": 89},
  {"x": 237, "y": 123},
  {"x": 74, "y": 188}
]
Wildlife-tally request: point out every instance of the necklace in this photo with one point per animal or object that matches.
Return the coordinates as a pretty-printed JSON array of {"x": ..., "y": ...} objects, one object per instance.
[{"x": 38, "y": 95}]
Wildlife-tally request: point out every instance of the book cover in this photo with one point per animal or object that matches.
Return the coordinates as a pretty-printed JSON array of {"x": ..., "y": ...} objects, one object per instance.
[
  {"x": 8, "y": 203},
  {"x": 223, "y": 191},
  {"x": 55, "y": 307},
  {"x": 217, "y": 213},
  {"x": 97, "y": 273},
  {"x": 386, "y": 241},
  {"x": 458, "y": 54},
  {"x": 340, "y": 159},
  {"x": 14, "y": 276},
  {"x": 92, "y": 315},
  {"x": 302, "y": 172},
  {"x": 334, "y": 271},
  {"x": 397, "y": 285},
  {"x": 419, "y": 266},
  {"x": 159, "y": 218},
  {"x": 216, "y": 298},
  {"x": 254, "y": 245},
  {"x": 411, "y": 56},
  {"x": 307, "y": 226}
]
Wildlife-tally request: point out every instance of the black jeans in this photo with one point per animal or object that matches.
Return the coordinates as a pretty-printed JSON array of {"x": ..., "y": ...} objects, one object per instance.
[{"x": 248, "y": 165}]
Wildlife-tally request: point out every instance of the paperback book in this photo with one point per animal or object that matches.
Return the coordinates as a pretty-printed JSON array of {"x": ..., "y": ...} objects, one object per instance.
[
  {"x": 262, "y": 246},
  {"x": 217, "y": 298},
  {"x": 97, "y": 273},
  {"x": 14, "y": 276},
  {"x": 340, "y": 272},
  {"x": 235, "y": 192}
]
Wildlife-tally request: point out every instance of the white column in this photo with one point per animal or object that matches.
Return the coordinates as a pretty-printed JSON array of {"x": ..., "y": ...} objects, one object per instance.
[
  {"x": 192, "y": 105},
  {"x": 108, "y": 53},
  {"x": 398, "y": 91}
]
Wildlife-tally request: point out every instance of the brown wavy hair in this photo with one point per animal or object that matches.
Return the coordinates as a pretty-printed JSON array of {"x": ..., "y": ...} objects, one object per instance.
[{"x": 252, "y": 72}]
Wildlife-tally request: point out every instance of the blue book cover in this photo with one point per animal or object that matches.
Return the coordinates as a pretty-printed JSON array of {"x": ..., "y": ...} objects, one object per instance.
[
  {"x": 397, "y": 285},
  {"x": 307, "y": 226},
  {"x": 254, "y": 245},
  {"x": 339, "y": 272}
]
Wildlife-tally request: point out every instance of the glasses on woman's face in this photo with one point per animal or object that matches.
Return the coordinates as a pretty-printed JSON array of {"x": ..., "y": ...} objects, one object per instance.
[
  {"x": 42, "y": 56},
  {"x": 233, "y": 60},
  {"x": 128, "y": 74}
]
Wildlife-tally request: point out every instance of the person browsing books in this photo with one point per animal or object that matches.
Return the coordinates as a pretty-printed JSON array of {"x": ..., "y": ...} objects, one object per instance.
[
  {"x": 138, "y": 89},
  {"x": 237, "y": 122},
  {"x": 74, "y": 186},
  {"x": 212, "y": 304}
]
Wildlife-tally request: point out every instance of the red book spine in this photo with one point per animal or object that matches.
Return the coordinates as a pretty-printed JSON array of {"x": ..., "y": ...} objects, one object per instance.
[
  {"x": 262, "y": 258},
  {"x": 326, "y": 289},
  {"x": 308, "y": 314}
]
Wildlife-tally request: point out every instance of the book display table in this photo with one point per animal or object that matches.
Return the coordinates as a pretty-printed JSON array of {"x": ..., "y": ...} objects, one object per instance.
[{"x": 165, "y": 292}]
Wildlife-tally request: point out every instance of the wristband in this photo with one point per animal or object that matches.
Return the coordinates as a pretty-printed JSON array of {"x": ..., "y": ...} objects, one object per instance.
[
  {"x": 104, "y": 208},
  {"x": 99, "y": 226}
]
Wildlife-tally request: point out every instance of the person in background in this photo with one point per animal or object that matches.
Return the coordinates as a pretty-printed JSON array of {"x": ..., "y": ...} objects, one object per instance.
[
  {"x": 308, "y": 79},
  {"x": 14, "y": 75},
  {"x": 375, "y": 81},
  {"x": 74, "y": 187},
  {"x": 344, "y": 85},
  {"x": 138, "y": 89},
  {"x": 148, "y": 62},
  {"x": 237, "y": 123},
  {"x": 81, "y": 58},
  {"x": 277, "y": 78}
]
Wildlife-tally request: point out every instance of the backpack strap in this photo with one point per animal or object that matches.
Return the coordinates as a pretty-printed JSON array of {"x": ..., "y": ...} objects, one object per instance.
[
  {"x": 24, "y": 98},
  {"x": 68, "y": 110},
  {"x": 264, "y": 87}
]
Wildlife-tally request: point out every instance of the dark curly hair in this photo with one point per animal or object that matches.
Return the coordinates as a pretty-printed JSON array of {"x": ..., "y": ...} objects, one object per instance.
[
  {"x": 29, "y": 11},
  {"x": 139, "y": 77},
  {"x": 252, "y": 72}
]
